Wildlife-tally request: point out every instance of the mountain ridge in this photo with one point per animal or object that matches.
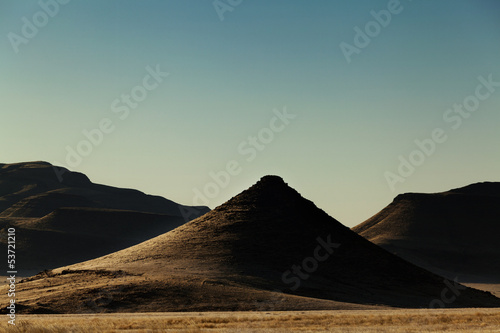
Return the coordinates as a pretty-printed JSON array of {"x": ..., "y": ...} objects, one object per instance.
[
  {"x": 452, "y": 233},
  {"x": 32, "y": 197},
  {"x": 238, "y": 256}
]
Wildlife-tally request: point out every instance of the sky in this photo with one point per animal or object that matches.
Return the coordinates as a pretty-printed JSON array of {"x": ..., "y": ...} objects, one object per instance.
[{"x": 351, "y": 102}]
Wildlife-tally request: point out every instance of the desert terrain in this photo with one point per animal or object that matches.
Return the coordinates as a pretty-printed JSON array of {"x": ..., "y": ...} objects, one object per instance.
[
  {"x": 453, "y": 233},
  {"x": 64, "y": 218},
  {"x": 266, "y": 260},
  {"x": 267, "y": 248},
  {"x": 365, "y": 321}
]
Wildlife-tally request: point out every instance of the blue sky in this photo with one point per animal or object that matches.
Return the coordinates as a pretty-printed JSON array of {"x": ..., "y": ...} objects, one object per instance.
[{"x": 225, "y": 77}]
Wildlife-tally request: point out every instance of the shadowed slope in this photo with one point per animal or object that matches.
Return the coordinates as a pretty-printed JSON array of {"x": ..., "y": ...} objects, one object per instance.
[
  {"x": 69, "y": 235},
  {"x": 454, "y": 233},
  {"x": 266, "y": 238},
  {"x": 61, "y": 217}
]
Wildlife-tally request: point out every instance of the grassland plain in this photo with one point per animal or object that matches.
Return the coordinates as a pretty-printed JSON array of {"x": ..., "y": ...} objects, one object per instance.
[{"x": 401, "y": 320}]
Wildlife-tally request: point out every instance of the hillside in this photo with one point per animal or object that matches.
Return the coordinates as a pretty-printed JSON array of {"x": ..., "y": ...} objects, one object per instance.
[
  {"x": 65, "y": 219},
  {"x": 454, "y": 233},
  {"x": 266, "y": 248}
]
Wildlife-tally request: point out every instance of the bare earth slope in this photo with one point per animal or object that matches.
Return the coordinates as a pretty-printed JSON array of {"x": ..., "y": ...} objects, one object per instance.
[
  {"x": 266, "y": 247},
  {"x": 61, "y": 217},
  {"x": 454, "y": 233}
]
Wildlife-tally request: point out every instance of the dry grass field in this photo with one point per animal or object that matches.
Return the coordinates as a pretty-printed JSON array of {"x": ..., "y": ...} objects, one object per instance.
[{"x": 405, "y": 320}]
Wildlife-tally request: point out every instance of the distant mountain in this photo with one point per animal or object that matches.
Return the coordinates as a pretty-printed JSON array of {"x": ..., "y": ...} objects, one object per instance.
[
  {"x": 267, "y": 247},
  {"x": 63, "y": 220},
  {"x": 454, "y": 233}
]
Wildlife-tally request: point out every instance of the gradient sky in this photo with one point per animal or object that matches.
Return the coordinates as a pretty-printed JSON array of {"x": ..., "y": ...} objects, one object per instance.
[{"x": 353, "y": 120}]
